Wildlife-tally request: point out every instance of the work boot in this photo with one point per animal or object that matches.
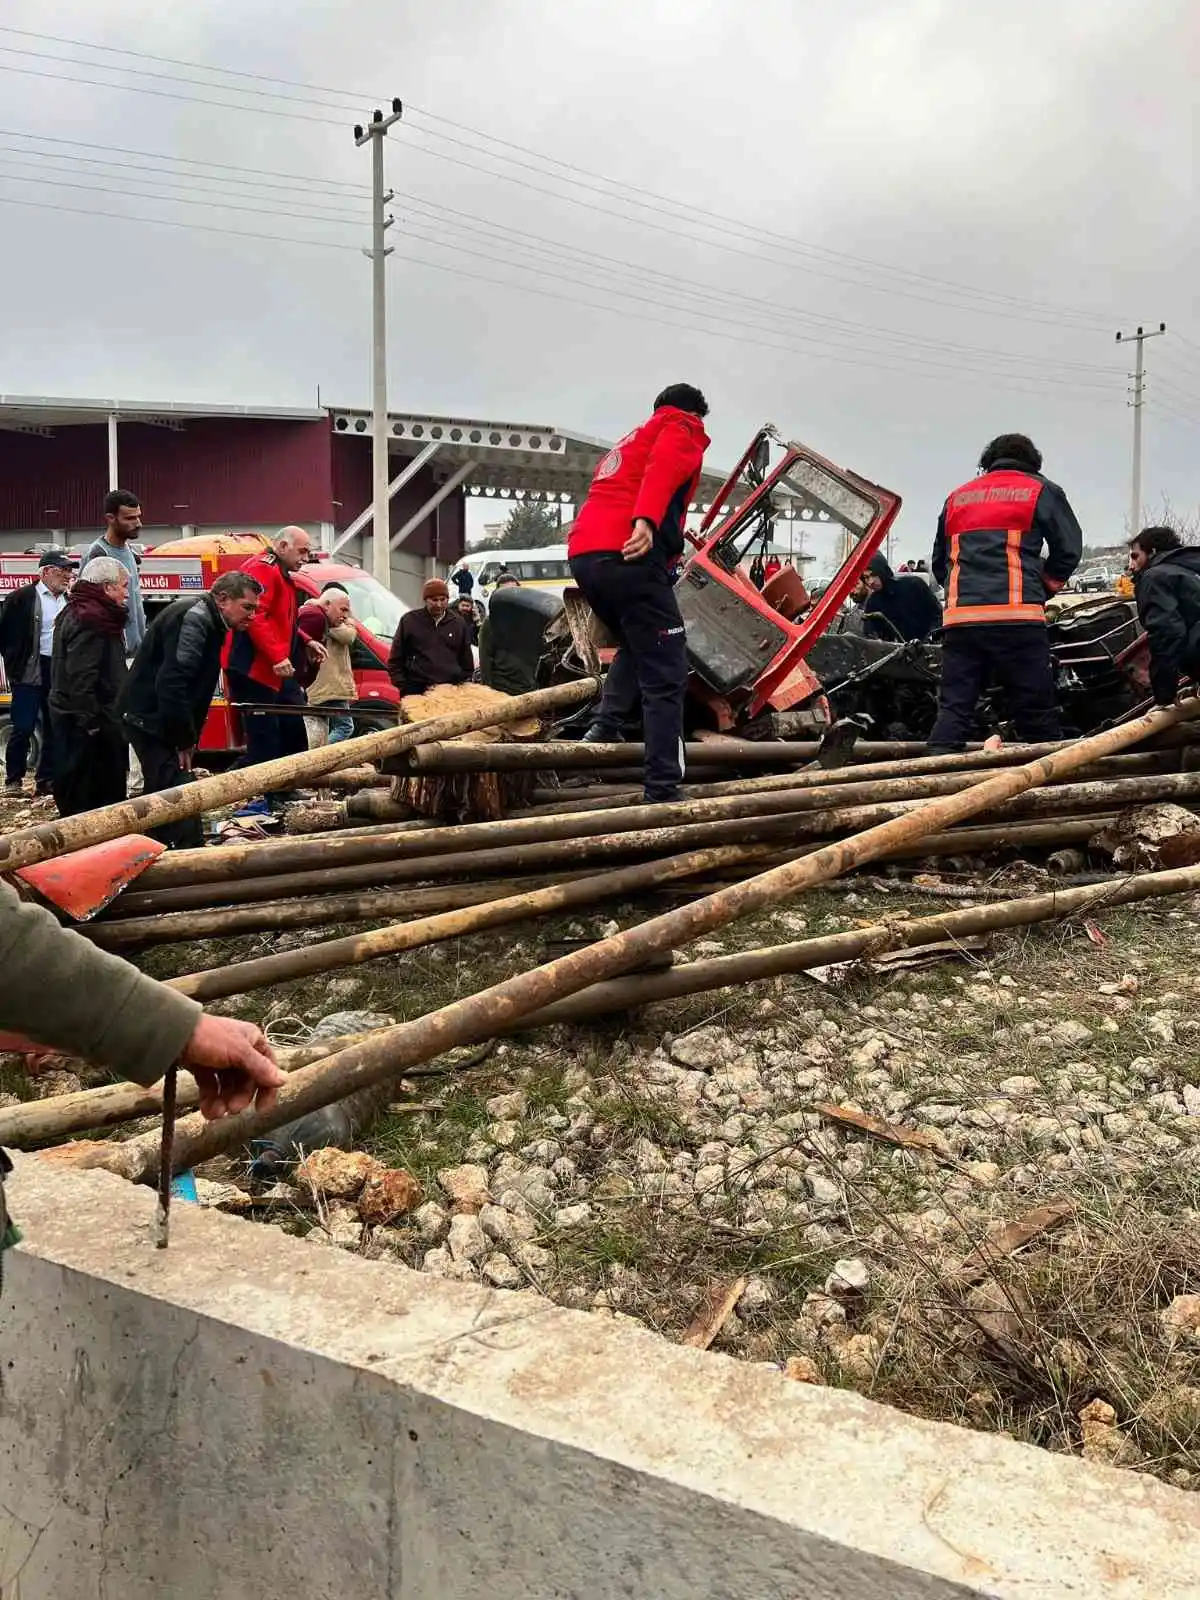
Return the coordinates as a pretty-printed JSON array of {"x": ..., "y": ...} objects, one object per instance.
[
  {"x": 598, "y": 733},
  {"x": 663, "y": 797},
  {"x": 14, "y": 786}
]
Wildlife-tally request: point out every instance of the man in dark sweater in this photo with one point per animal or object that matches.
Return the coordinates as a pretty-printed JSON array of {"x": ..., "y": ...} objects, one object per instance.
[
  {"x": 171, "y": 684},
  {"x": 1166, "y": 582},
  {"x": 896, "y": 607},
  {"x": 432, "y": 645}
]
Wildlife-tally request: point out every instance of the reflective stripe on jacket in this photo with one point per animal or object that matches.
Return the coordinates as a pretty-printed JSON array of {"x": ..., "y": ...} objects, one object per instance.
[{"x": 1006, "y": 541}]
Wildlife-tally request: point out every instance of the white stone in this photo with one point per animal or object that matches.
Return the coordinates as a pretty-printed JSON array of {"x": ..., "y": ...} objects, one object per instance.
[
  {"x": 825, "y": 1193},
  {"x": 1069, "y": 1032},
  {"x": 502, "y": 1273},
  {"x": 756, "y": 1296},
  {"x": 1161, "y": 1026},
  {"x": 466, "y": 1241},
  {"x": 703, "y": 1048},
  {"x": 504, "y": 1135},
  {"x": 849, "y": 1277},
  {"x": 432, "y": 1222},
  {"x": 506, "y": 1107},
  {"x": 647, "y": 1157},
  {"x": 573, "y": 1216}
]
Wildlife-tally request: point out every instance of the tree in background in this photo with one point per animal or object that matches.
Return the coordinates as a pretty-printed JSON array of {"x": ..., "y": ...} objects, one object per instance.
[{"x": 530, "y": 525}]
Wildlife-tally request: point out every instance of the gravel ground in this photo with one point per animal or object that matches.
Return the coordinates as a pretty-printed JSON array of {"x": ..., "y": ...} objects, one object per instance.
[{"x": 682, "y": 1161}]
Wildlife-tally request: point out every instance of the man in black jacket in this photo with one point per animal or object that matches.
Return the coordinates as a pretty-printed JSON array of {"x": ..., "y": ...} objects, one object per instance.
[
  {"x": 1166, "y": 582},
  {"x": 27, "y": 620},
  {"x": 894, "y": 607},
  {"x": 171, "y": 684},
  {"x": 432, "y": 644},
  {"x": 87, "y": 675}
]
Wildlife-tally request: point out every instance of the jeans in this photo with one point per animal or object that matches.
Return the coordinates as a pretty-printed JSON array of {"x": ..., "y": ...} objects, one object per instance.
[
  {"x": 30, "y": 703},
  {"x": 635, "y": 600},
  {"x": 268, "y": 737}
]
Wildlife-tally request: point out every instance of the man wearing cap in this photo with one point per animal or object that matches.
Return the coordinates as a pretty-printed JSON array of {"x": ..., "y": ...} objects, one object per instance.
[
  {"x": 896, "y": 606},
  {"x": 432, "y": 644},
  {"x": 27, "y": 619}
]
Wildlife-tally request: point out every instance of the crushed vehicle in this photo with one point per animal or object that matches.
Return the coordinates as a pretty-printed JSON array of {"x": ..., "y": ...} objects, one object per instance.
[{"x": 778, "y": 663}]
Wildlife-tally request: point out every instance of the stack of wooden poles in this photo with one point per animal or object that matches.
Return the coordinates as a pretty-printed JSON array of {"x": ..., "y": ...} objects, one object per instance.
[{"x": 773, "y": 836}]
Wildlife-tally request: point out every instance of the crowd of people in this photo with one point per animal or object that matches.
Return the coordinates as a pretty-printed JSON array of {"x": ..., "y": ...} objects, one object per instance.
[{"x": 111, "y": 695}]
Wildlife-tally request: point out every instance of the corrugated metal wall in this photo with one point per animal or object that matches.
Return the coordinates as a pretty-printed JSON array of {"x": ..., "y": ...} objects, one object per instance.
[{"x": 219, "y": 471}]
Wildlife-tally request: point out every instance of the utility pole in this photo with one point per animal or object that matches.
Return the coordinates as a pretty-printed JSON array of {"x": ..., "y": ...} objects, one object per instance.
[
  {"x": 1138, "y": 375},
  {"x": 381, "y": 550}
]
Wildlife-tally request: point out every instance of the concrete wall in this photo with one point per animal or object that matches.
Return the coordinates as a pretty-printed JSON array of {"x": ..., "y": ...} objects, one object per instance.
[{"x": 246, "y": 1415}]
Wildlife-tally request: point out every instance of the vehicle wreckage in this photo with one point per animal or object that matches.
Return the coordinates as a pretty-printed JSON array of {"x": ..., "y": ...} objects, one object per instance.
[{"x": 781, "y": 664}]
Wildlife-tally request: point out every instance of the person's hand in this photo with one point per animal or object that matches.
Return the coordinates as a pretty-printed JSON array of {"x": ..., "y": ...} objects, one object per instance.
[
  {"x": 284, "y": 669},
  {"x": 316, "y": 650},
  {"x": 185, "y": 760},
  {"x": 640, "y": 541},
  {"x": 233, "y": 1065}
]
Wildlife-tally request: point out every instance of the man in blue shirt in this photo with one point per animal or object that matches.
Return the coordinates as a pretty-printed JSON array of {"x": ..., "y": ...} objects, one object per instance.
[{"x": 122, "y": 524}]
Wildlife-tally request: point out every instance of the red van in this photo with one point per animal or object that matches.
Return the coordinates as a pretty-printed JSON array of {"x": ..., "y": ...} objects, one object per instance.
[{"x": 187, "y": 566}]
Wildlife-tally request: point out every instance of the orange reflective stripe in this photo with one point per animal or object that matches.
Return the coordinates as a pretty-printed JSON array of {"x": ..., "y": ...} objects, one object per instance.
[
  {"x": 952, "y": 590},
  {"x": 1013, "y": 551},
  {"x": 958, "y": 614}
]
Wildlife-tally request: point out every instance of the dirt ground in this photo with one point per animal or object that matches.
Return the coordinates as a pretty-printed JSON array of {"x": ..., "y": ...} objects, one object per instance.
[{"x": 681, "y": 1166}]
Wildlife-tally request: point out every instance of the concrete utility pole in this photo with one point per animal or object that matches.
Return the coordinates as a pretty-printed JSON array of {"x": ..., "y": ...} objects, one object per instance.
[
  {"x": 1138, "y": 375},
  {"x": 374, "y": 134}
]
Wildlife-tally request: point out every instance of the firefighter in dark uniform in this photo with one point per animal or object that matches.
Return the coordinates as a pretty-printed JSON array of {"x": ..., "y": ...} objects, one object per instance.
[
  {"x": 1006, "y": 542},
  {"x": 623, "y": 547}
]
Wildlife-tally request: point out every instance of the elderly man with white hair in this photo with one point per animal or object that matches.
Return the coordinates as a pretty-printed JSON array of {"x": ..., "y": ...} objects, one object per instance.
[
  {"x": 87, "y": 675},
  {"x": 262, "y": 660}
]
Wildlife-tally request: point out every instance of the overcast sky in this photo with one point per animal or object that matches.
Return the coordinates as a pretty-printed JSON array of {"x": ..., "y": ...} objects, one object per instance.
[{"x": 897, "y": 228}]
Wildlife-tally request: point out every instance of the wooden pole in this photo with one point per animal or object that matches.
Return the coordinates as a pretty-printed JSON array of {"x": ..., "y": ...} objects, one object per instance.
[
  {"x": 242, "y": 976},
  {"x": 37, "y": 1121},
  {"x": 480, "y": 1015},
  {"x": 233, "y": 862},
  {"x": 788, "y": 817},
  {"x": 27, "y": 845}
]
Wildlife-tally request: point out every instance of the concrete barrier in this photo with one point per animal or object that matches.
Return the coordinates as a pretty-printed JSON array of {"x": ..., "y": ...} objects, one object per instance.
[{"x": 246, "y": 1415}]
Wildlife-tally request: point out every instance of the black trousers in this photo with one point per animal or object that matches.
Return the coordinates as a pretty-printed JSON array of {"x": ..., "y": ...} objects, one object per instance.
[
  {"x": 635, "y": 600},
  {"x": 267, "y": 737},
  {"x": 161, "y": 770},
  {"x": 1015, "y": 655},
  {"x": 89, "y": 771},
  {"x": 30, "y": 704}
]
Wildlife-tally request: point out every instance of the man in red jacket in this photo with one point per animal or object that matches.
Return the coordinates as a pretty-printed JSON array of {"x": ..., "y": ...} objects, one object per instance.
[
  {"x": 623, "y": 547},
  {"x": 262, "y": 660}
]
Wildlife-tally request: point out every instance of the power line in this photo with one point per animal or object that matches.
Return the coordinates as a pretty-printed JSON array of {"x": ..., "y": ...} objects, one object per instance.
[
  {"x": 216, "y": 166},
  {"x": 301, "y": 187},
  {"x": 715, "y": 220},
  {"x": 748, "y": 231},
  {"x": 479, "y": 277},
  {"x": 302, "y": 213},
  {"x": 167, "y": 94},
  {"x": 168, "y": 222},
  {"x": 528, "y": 289},
  {"x": 572, "y": 254},
  {"x": 806, "y": 345}
]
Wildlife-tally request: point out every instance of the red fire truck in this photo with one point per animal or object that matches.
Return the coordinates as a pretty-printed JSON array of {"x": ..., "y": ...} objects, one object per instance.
[{"x": 189, "y": 566}]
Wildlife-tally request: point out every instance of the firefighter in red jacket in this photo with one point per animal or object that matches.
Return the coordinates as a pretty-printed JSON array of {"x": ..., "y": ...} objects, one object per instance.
[
  {"x": 623, "y": 547},
  {"x": 262, "y": 661},
  {"x": 1006, "y": 542}
]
